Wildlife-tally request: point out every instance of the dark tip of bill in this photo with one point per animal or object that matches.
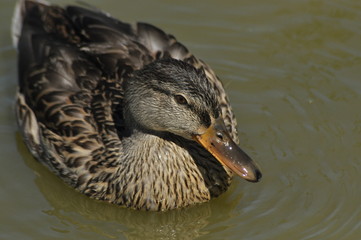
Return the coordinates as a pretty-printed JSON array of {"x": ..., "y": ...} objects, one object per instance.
[{"x": 258, "y": 176}]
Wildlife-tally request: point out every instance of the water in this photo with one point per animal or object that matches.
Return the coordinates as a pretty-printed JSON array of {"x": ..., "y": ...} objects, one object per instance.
[{"x": 292, "y": 71}]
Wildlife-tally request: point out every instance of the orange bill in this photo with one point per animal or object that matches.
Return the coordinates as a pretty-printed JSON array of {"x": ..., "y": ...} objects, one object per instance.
[{"x": 219, "y": 143}]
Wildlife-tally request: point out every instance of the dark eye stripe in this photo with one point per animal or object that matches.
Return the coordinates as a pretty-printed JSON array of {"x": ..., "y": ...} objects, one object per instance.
[{"x": 205, "y": 118}]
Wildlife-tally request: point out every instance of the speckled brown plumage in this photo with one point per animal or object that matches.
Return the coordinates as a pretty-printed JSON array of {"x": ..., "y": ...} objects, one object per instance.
[{"x": 70, "y": 106}]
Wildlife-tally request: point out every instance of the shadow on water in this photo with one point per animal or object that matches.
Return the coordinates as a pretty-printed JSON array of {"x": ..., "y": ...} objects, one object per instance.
[{"x": 78, "y": 211}]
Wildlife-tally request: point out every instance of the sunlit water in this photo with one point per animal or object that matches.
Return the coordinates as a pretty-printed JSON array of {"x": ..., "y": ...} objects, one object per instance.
[{"x": 292, "y": 70}]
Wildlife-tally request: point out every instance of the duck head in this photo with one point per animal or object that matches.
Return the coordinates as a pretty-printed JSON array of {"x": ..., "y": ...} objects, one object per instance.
[{"x": 172, "y": 96}]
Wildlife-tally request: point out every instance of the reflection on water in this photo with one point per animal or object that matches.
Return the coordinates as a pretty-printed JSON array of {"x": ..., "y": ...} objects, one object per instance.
[{"x": 292, "y": 71}]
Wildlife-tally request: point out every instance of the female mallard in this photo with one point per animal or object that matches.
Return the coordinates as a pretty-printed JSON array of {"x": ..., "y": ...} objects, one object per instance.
[{"x": 124, "y": 114}]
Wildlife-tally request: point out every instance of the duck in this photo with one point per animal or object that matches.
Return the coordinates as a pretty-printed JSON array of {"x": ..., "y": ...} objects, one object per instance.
[{"x": 123, "y": 113}]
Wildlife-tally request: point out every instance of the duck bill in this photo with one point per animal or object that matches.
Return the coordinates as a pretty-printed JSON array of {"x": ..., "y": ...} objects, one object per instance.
[{"x": 219, "y": 143}]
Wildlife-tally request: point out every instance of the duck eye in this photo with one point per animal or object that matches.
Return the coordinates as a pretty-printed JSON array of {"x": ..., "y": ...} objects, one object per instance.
[{"x": 180, "y": 99}]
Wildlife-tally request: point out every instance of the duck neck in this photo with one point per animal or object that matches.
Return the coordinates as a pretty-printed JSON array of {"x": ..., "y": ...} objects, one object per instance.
[{"x": 157, "y": 174}]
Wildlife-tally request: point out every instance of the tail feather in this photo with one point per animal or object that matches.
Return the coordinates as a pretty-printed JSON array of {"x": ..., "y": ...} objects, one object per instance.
[
  {"x": 18, "y": 17},
  {"x": 17, "y": 22}
]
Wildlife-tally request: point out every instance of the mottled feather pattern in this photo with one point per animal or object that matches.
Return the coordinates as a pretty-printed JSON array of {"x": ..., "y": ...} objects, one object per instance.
[{"x": 71, "y": 72}]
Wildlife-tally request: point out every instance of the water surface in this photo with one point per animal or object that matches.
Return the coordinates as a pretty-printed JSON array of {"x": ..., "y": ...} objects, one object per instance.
[{"x": 292, "y": 70}]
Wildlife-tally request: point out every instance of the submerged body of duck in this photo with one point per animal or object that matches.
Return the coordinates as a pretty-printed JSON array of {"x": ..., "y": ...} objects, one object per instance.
[{"x": 124, "y": 114}]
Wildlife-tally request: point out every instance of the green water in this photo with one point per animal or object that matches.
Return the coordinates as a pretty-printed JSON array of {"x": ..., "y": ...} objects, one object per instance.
[{"x": 292, "y": 71}]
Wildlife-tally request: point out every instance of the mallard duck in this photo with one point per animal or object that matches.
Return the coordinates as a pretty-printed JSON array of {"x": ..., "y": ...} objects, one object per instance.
[{"x": 123, "y": 113}]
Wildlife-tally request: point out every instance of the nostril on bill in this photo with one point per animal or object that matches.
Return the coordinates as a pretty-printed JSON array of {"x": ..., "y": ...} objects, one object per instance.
[{"x": 219, "y": 135}]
